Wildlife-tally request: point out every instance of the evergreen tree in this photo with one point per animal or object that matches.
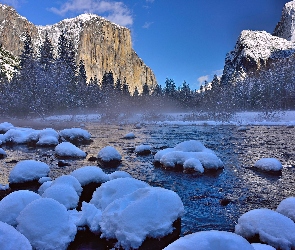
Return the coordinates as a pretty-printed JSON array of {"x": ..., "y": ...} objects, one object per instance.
[
  {"x": 145, "y": 90},
  {"x": 135, "y": 93},
  {"x": 170, "y": 88}
]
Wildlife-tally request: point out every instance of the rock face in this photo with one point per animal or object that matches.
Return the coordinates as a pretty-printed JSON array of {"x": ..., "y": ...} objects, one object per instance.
[
  {"x": 104, "y": 46},
  {"x": 256, "y": 49}
]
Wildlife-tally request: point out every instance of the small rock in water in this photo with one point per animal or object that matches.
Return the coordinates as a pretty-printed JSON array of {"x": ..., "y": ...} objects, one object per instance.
[
  {"x": 129, "y": 136},
  {"x": 62, "y": 163},
  {"x": 224, "y": 201},
  {"x": 92, "y": 158}
]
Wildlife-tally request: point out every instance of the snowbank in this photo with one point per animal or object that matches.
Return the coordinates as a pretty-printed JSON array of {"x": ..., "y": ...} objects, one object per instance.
[
  {"x": 210, "y": 240},
  {"x": 272, "y": 227},
  {"x": 67, "y": 149},
  {"x": 28, "y": 170},
  {"x": 269, "y": 164},
  {"x": 147, "y": 212},
  {"x": 108, "y": 154},
  {"x": 46, "y": 224},
  {"x": 88, "y": 174},
  {"x": 11, "y": 239},
  {"x": 14, "y": 203},
  {"x": 287, "y": 208}
]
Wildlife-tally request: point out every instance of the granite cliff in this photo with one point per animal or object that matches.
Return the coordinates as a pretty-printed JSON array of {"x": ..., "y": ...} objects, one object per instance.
[{"x": 102, "y": 45}]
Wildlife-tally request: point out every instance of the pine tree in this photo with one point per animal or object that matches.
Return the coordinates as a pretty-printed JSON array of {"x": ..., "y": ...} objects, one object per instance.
[{"x": 145, "y": 90}]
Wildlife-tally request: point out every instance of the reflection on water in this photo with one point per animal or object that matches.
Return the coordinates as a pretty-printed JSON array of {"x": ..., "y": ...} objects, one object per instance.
[{"x": 239, "y": 183}]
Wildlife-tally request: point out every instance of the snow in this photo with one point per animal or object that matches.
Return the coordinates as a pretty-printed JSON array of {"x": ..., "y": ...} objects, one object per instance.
[
  {"x": 190, "y": 146},
  {"x": 269, "y": 164},
  {"x": 63, "y": 193},
  {"x": 75, "y": 134},
  {"x": 118, "y": 174},
  {"x": 69, "y": 180},
  {"x": 109, "y": 153},
  {"x": 46, "y": 224},
  {"x": 287, "y": 208},
  {"x": 18, "y": 135},
  {"x": 88, "y": 174},
  {"x": 193, "y": 163},
  {"x": 115, "y": 189},
  {"x": 142, "y": 149},
  {"x": 147, "y": 212},
  {"x": 11, "y": 239},
  {"x": 28, "y": 170},
  {"x": 210, "y": 240},
  {"x": 48, "y": 137},
  {"x": 130, "y": 135},
  {"x": 67, "y": 149},
  {"x": 5, "y": 126},
  {"x": 272, "y": 227},
  {"x": 44, "y": 186},
  {"x": 44, "y": 179},
  {"x": 2, "y": 153},
  {"x": 259, "y": 246},
  {"x": 12, "y": 204}
]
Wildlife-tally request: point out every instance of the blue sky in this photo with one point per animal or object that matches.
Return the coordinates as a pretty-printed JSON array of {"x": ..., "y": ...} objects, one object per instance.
[{"x": 183, "y": 40}]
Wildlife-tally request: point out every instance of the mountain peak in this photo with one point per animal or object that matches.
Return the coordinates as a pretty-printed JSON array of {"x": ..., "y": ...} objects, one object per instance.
[{"x": 286, "y": 26}]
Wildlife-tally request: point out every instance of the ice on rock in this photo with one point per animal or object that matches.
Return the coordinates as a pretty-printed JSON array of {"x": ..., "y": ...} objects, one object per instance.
[
  {"x": 272, "y": 227},
  {"x": 193, "y": 163},
  {"x": 48, "y": 137},
  {"x": 210, "y": 240},
  {"x": 5, "y": 126},
  {"x": 28, "y": 170},
  {"x": 147, "y": 212},
  {"x": 75, "y": 134},
  {"x": 46, "y": 224},
  {"x": 130, "y": 135},
  {"x": 67, "y": 149},
  {"x": 88, "y": 174},
  {"x": 14, "y": 203},
  {"x": 109, "y": 153},
  {"x": 287, "y": 208},
  {"x": 63, "y": 193},
  {"x": 44, "y": 186},
  {"x": 11, "y": 239},
  {"x": 259, "y": 246},
  {"x": 115, "y": 189},
  {"x": 269, "y": 164},
  {"x": 119, "y": 174},
  {"x": 69, "y": 180}
]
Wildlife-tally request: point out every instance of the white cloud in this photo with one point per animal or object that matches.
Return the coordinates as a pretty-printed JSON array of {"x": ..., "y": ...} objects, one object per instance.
[
  {"x": 147, "y": 25},
  {"x": 202, "y": 79},
  {"x": 13, "y": 3},
  {"x": 218, "y": 72},
  {"x": 150, "y": 1},
  {"x": 116, "y": 12}
]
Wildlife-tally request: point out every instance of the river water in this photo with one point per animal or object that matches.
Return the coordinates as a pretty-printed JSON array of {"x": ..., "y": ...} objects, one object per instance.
[{"x": 243, "y": 186}]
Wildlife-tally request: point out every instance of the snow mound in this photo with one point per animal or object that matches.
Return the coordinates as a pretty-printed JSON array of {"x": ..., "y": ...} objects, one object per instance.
[
  {"x": 272, "y": 227},
  {"x": 14, "y": 203},
  {"x": 69, "y": 180},
  {"x": 210, "y": 240},
  {"x": 143, "y": 149},
  {"x": 189, "y": 155},
  {"x": 269, "y": 164},
  {"x": 287, "y": 208},
  {"x": 63, "y": 193},
  {"x": 88, "y": 174},
  {"x": 46, "y": 224},
  {"x": 147, "y": 212},
  {"x": 19, "y": 135},
  {"x": 44, "y": 186},
  {"x": 28, "y": 170},
  {"x": 5, "y": 126},
  {"x": 2, "y": 153},
  {"x": 48, "y": 137},
  {"x": 259, "y": 246},
  {"x": 119, "y": 174},
  {"x": 67, "y": 149},
  {"x": 115, "y": 189},
  {"x": 109, "y": 153},
  {"x": 11, "y": 239},
  {"x": 130, "y": 135},
  {"x": 75, "y": 134},
  {"x": 44, "y": 179}
]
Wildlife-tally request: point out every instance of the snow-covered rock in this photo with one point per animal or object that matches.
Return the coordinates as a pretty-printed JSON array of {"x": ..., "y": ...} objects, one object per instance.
[
  {"x": 272, "y": 227},
  {"x": 44, "y": 179},
  {"x": 5, "y": 126},
  {"x": 48, "y": 137},
  {"x": 11, "y": 239},
  {"x": 210, "y": 240},
  {"x": 147, "y": 212},
  {"x": 67, "y": 149},
  {"x": 88, "y": 174},
  {"x": 69, "y": 180},
  {"x": 44, "y": 186},
  {"x": 190, "y": 146},
  {"x": 28, "y": 170},
  {"x": 193, "y": 164},
  {"x": 269, "y": 164},
  {"x": 115, "y": 189},
  {"x": 287, "y": 208},
  {"x": 119, "y": 174},
  {"x": 108, "y": 154},
  {"x": 259, "y": 246},
  {"x": 2, "y": 153},
  {"x": 143, "y": 149},
  {"x": 12, "y": 204},
  {"x": 75, "y": 135},
  {"x": 63, "y": 193},
  {"x": 46, "y": 224},
  {"x": 129, "y": 135},
  {"x": 19, "y": 135}
]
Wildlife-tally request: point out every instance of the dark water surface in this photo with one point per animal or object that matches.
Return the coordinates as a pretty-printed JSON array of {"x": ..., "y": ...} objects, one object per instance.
[{"x": 241, "y": 185}]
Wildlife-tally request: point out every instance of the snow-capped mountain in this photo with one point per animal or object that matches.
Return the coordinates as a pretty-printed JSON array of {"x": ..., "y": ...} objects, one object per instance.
[
  {"x": 256, "y": 49},
  {"x": 102, "y": 45}
]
